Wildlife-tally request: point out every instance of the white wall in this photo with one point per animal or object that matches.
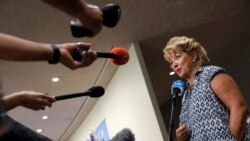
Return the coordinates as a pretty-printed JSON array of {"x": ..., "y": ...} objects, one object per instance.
[{"x": 125, "y": 104}]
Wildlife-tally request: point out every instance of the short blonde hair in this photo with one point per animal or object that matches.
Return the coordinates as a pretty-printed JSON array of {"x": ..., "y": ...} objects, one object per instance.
[{"x": 188, "y": 45}]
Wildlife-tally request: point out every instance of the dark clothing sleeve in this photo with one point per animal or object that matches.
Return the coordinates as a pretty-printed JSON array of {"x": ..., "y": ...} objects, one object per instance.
[{"x": 18, "y": 132}]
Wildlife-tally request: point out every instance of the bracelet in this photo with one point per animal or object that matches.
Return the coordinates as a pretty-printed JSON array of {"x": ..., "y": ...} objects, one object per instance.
[{"x": 56, "y": 54}]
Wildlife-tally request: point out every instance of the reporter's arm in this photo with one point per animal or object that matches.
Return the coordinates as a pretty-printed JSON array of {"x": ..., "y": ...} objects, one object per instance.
[
  {"x": 229, "y": 93},
  {"x": 71, "y": 7},
  {"x": 17, "y": 49},
  {"x": 28, "y": 99}
]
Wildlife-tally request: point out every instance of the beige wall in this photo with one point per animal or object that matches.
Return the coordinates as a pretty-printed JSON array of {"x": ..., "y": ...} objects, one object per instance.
[{"x": 125, "y": 104}]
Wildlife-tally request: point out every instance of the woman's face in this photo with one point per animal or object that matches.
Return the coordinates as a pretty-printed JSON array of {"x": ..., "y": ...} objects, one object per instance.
[{"x": 182, "y": 64}]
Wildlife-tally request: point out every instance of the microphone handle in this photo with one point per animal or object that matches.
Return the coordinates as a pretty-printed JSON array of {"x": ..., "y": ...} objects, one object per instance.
[
  {"x": 79, "y": 31},
  {"x": 176, "y": 91},
  {"x": 77, "y": 54},
  {"x": 106, "y": 55},
  {"x": 68, "y": 96}
]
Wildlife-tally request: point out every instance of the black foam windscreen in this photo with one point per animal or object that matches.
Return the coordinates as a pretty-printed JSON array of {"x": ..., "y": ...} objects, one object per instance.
[
  {"x": 96, "y": 91},
  {"x": 124, "y": 135},
  {"x": 111, "y": 15}
]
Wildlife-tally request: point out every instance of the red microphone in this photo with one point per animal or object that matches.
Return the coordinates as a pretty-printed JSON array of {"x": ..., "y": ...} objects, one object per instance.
[{"x": 118, "y": 55}]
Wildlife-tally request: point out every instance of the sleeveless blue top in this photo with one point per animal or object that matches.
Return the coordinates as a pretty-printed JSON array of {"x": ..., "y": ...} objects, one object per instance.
[{"x": 204, "y": 114}]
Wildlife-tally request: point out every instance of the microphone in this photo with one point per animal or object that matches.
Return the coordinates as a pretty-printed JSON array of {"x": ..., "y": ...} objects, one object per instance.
[
  {"x": 124, "y": 135},
  {"x": 118, "y": 55},
  {"x": 111, "y": 14},
  {"x": 177, "y": 87},
  {"x": 96, "y": 91}
]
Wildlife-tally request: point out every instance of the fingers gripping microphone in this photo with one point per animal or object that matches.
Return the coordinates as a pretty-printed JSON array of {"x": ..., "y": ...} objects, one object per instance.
[
  {"x": 96, "y": 91},
  {"x": 111, "y": 14},
  {"x": 118, "y": 56},
  {"x": 177, "y": 87}
]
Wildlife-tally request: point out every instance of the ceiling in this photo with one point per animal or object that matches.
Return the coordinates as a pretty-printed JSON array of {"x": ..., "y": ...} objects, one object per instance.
[{"x": 222, "y": 27}]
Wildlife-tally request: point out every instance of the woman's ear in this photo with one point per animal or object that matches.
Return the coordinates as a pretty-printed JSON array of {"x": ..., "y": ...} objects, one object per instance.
[{"x": 194, "y": 59}]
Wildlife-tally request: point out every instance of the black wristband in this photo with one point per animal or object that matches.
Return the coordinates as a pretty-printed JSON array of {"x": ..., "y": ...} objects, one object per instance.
[{"x": 56, "y": 54}]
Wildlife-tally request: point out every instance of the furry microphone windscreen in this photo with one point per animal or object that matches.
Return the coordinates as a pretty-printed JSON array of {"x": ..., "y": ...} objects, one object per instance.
[
  {"x": 124, "y": 135},
  {"x": 122, "y": 56}
]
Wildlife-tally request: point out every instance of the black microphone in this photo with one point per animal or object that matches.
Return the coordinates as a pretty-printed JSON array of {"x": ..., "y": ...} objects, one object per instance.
[
  {"x": 96, "y": 91},
  {"x": 124, "y": 135},
  {"x": 177, "y": 87},
  {"x": 111, "y": 14},
  {"x": 117, "y": 55}
]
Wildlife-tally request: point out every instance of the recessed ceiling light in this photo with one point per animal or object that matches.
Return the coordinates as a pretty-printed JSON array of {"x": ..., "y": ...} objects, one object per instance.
[
  {"x": 39, "y": 130},
  {"x": 172, "y": 73},
  {"x": 55, "y": 79},
  {"x": 45, "y": 117}
]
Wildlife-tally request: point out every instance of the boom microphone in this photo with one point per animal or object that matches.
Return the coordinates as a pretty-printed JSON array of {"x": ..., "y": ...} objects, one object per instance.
[
  {"x": 177, "y": 87},
  {"x": 124, "y": 135},
  {"x": 118, "y": 55},
  {"x": 96, "y": 91}
]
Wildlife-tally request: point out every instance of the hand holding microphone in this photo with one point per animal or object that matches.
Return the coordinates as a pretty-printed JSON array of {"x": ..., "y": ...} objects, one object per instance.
[
  {"x": 110, "y": 13},
  {"x": 118, "y": 55}
]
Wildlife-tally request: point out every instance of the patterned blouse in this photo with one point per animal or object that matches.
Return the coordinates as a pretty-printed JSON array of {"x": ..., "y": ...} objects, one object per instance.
[{"x": 204, "y": 114}]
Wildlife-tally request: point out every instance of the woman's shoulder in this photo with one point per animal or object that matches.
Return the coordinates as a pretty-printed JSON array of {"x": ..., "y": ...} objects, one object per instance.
[{"x": 211, "y": 70}]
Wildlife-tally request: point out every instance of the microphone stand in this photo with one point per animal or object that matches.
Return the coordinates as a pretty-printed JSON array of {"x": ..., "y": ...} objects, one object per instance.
[{"x": 171, "y": 125}]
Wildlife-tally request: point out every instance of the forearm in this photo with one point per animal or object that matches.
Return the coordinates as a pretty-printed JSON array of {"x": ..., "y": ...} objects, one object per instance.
[
  {"x": 238, "y": 117},
  {"x": 17, "y": 49},
  {"x": 71, "y": 7},
  {"x": 11, "y": 102}
]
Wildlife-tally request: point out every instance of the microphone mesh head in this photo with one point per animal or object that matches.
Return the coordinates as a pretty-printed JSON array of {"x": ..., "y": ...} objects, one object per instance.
[
  {"x": 122, "y": 56},
  {"x": 96, "y": 91}
]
